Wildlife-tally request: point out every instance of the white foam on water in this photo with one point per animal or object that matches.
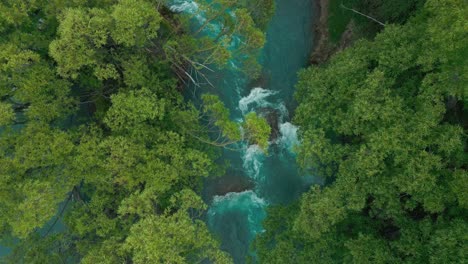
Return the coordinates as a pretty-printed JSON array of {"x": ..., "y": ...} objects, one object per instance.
[
  {"x": 189, "y": 7},
  {"x": 257, "y": 97},
  {"x": 213, "y": 29},
  {"x": 236, "y": 41},
  {"x": 233, "y": 199},
  {"x": 233, "y": 65},
  {"x": 284, "y": 113},
  {"x": 252, "y": 161},
  {"x": 289, "y": 137},
  {"x": 246, "y": 201}
]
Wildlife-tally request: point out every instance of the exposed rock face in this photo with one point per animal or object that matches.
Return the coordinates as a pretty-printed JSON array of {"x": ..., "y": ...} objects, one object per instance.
[
  {"x": 272, "y": 117},
  {"x": 323, "y": 48},
  {"x": 231, "y": 183}
]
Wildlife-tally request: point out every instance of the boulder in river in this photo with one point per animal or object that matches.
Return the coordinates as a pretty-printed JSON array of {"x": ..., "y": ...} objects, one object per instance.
[{"x": 230, "y": 183}]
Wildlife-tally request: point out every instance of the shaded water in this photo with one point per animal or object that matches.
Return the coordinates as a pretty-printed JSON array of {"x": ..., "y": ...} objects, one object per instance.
[{"x": 236, "y": 216}]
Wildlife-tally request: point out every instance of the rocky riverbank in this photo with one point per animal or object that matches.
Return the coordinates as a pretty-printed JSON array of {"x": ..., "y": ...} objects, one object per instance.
[{"x": 323, "y": 48}]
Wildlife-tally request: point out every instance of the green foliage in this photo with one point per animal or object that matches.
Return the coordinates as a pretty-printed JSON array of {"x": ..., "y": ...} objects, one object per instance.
[
  {"x": 221, "y": 117},
  {"x": 35, "y": 179},
  {"x": 135, "y": 22},
  {"x": 253, "y": 40},
  {"x": 88, "y": 36},
  {"x": 257, "y": 130},
  {"x": 54, "y": 249},
  {"x": 130, "y": 110},
  {"x": 7, "y": 115},
  {"x": 238, "y": 38},
  {"x": 174, "y": 237},
  {"x": 81, "y": 32},
  {"x": 253, "y": 129},
  {"x": 14, "y": 13},
  {"x": 29, "y": 86},
  {"x": 91, "y": 119},
  {"x": 388, "y": 12},
  {"x": 385, "y": 123},
  {"x": 261, "y": 11}
]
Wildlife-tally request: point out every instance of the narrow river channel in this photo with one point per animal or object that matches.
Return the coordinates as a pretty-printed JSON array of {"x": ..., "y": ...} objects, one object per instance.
[{"x": 255, "y": 180}]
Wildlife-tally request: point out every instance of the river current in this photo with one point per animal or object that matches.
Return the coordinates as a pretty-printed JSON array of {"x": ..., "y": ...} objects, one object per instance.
[{"x": 235, "y": 216}]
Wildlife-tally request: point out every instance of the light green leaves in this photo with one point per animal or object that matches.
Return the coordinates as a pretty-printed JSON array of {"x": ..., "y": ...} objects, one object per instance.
[
  {"x": 320, "y": 211},
  {"x": 39, "y": 205},
  {"x": 35, "y": 179},
  {"x": 136, "y": 22},
  {"x": 257, "y": 130},
  {"x": 220, "y": 116},
  {"x": 174, "y": 237},
  {"x": 133, "y": 109},
  {"x": 85, "y": 36},
  {"x": 253, "y": 129},
  {"x": 30, "y": 86},
  {"x": 7, "y": 115},
  {"x": 77, "y": 43}
]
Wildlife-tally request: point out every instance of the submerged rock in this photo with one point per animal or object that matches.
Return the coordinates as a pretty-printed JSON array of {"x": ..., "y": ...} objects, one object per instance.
[{"x": 262, "y": 81}]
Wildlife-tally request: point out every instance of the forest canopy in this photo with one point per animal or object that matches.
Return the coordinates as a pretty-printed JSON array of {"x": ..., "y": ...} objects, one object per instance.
[
  {"x": 103, "y": 155},
  {"x": 96, "y": 139},
  {"x": 384, "y": 122}
]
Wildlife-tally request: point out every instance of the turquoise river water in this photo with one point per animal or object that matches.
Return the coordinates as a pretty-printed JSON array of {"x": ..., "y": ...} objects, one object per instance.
[{"x": 236, "y": 215}]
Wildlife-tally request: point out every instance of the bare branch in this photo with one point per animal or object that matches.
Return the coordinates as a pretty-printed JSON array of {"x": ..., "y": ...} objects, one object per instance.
[{"x": 364, "y": 15}]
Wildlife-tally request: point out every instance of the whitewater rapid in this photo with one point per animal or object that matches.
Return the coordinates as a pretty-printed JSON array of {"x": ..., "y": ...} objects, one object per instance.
[
  {"x": 236, "y": 217},
  {"x": 239, "y": 215}
]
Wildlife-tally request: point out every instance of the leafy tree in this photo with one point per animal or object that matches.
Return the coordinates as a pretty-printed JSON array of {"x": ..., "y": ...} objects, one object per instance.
[
  {"x": 257, "y": 130},
  {"x": 238, "y": 38},
  {"x": 180, "y": 239},
  {"x": 34, "y": 176},
  {"x": 82, "y": 32},
  {"x": 253, "y": 129},
  {"x": 31, "y": 88},
  {"x": 135, "y": 22},
  {"x": 96, "y": 137},
  {"x": 261, "y": 11},
  {"x": 7, "y": 115},
  {"x": 385, "y": 123}
]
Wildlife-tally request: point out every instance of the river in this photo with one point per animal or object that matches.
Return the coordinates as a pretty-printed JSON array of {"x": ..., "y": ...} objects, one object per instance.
[{"x": 235, "y": 214}]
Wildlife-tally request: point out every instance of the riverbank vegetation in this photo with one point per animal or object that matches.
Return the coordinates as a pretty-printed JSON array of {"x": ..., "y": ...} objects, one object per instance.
[
  {"x": 101, "y": 158},
  {"x": 385, "y": 123},
  {"x": 344, "y": 13},
  {"x": 341, "y": 23}
]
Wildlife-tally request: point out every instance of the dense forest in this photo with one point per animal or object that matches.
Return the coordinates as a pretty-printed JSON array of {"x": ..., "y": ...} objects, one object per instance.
[
  {"x": 103, "y": 157},
  {"x": 96, "y": 136},
  {"x": 385, "y": 123}
]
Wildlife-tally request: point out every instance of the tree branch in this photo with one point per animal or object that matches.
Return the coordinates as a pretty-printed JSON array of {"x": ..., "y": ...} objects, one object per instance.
[{"x": 364, "y": 15}]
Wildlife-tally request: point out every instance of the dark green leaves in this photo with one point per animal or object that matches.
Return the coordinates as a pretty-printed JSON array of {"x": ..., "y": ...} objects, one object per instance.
[{"x": 379, "y": 121}]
